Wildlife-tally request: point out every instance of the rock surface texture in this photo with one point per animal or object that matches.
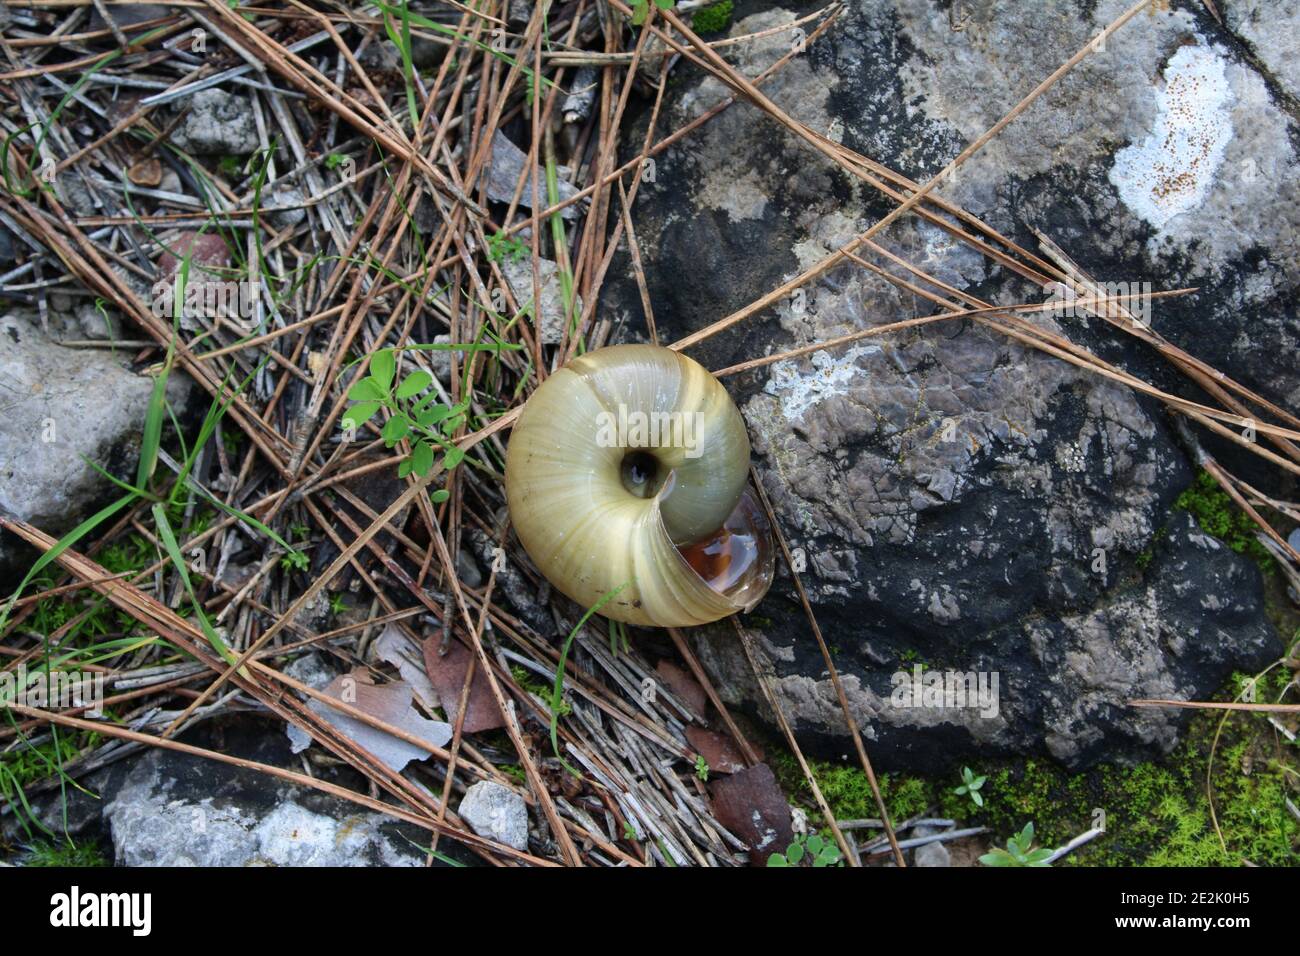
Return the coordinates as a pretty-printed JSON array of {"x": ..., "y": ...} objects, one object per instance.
[
  {"x": 172, "y": 809},
  {"x": 496, "y": 812},
  {"x": 963, "y": 503},
  {"x": 62, "y": 406}
]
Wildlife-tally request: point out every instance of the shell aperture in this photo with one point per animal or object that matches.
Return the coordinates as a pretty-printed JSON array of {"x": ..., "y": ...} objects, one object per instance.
[{"x": 629, "y": 467}]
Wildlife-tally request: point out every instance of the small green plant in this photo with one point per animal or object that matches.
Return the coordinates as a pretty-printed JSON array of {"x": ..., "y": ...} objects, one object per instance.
[
  {"x": 295, "y": 561},
  {"x": 1018, "y": 852},
  {"x": 501, "y": 246},
  {"x": 629, "y": 831},
  {"x": 419, "y": 419},
  {"x": 701, "y": 768},
  {"x": 335, "y": 160},
  {"x": 971, "y": 785},
  {"x": 557, "y": 691},
  {"x": 337, "y": 604},
  {"x": 808, "y": 849},
  {"x": 230, "y": 165},
  {"x": 297, "y": 529}
]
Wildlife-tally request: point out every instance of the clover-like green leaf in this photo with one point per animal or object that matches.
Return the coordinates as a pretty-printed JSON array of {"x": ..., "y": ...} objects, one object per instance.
[
  {"x": 421, "y": 458},
  {"x": 360, "y": 413},
  {"x": 368, "y": 390},
  {"x": 395, "y": 429},
  {"x": 382, "y": 366},
  {"x": 431, "y": 416},
  {"x": 414, "y": 383}
]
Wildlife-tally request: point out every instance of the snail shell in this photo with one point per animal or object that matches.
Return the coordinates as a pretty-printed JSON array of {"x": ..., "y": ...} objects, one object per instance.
[{"x": 629, "y": 467}]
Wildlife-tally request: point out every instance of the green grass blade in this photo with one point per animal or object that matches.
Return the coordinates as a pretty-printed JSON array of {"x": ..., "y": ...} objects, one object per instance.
[
  {"x": 557, "y": 692},
  {"x": 174, "y": 552},
  {"x": 67, "y": 541}
]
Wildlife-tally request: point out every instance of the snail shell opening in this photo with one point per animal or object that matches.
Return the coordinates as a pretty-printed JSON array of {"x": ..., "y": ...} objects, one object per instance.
[{"x": 629, "y": 467}]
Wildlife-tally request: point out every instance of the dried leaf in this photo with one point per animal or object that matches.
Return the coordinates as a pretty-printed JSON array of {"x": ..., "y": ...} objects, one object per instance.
[
  {"x": 683, "y": 685},
  {"x": 394, "y": 647},
  {"x": 147, "y": 172},
  {"x": 390, "y": 703},
  {"x": 751, "y": 805},
  {"x": 447, "y": 674},
  {"x": 718, "y": 751}
]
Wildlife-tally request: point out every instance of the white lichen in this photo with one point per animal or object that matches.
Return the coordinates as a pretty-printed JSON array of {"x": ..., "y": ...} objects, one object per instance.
[
  {"x": 1172, "y": 169},
  {"x": 832, "y": 375}
]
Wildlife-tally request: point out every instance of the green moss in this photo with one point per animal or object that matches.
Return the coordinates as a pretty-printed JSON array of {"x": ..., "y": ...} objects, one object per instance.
[
  {"x": 534, "y": 685},
  {"x": 1218, "y": 514},
  {"x": 847, "y": 791},
  {"x": 1156, "y": 813},
  {"x": 44, "y": 853},
  {"x": 712, "y": 19},
  {"x": 1144, "y": 558}
]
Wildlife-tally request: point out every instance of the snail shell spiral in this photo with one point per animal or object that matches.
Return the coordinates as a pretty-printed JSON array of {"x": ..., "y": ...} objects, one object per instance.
[{"x": 629, "y": 467}]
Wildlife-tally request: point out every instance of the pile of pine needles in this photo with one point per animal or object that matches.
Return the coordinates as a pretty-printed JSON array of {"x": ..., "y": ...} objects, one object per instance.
[{"x": 376, "y": 224}]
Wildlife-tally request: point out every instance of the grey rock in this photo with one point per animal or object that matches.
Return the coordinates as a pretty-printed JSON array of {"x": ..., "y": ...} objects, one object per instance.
[
  {"x": 217, "y": 124},
  {"x": 959, "y": 499},
  {"x": 177, "y": 810},
  {"x": 380, "y": 54},
  {"x": 76, "y": 812},
  {"x": 95, "y": 324},
  {"x": 509, "y": 163},
  {"x": 496, "y": 812},
  {"x": 930, "y": 854},
  {"x": 284, "y": 207},
  {"x": 519, "y": 274},
  {"x": 440, "y": 359},
  {"x": 1269, "y": 29},
  {"x": 60, "y": 404},
  {"x": 427, "y": 54},
  {"x": 314, "y": 669}
]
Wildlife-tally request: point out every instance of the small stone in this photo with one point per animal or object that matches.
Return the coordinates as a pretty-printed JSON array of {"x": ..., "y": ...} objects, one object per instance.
[
  {"x": 217, "y": 124},
  {"x": 285, "y": 195},
  {"x": 66, "y": 407},
  {"x": 97, "y": 324},
  {"x": 496, "y": 812},
  {"x": 930, "y": 854},
  {"x": 520, "y": 276},
  {"x": 440, "y": 359},
  {"x": 313, "y": 669}
]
